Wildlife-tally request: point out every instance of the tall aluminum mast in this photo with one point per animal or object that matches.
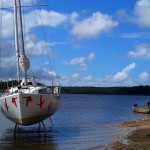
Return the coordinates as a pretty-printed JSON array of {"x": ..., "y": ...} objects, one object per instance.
[
  {"x": 21, "y": 27},
  {"x": 16, "y": 39}
]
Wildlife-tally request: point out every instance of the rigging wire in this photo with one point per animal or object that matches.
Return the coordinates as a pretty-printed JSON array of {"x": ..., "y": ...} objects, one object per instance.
[
  {"x": 26, "y": 23},
  {"x": 12, "y": 47},
  {"x": 51, "y": 65},
  {"x": 35, "y": 75},
  {"x": 46, "y": 43},
  {"x": 6, "y": 43},
  {"x": 12, "y": 70},
  {"x": 50, "y": 33}
]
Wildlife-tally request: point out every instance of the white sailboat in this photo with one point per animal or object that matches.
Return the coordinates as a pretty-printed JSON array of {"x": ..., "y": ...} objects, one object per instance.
[{"x": 29, "y": 103}]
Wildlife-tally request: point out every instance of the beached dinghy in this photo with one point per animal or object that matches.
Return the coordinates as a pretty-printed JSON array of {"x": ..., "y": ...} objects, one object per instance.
[
  {"x": 141, "y": 110},
  {"x": 29, "y": 103}
]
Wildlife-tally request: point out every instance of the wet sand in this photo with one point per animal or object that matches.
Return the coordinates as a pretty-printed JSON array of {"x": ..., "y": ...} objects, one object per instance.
[{"x": 138, "y": 139}]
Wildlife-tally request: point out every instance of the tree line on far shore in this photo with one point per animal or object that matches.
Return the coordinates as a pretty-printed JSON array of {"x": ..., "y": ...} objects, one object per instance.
[{"x": 134, "y": 90}]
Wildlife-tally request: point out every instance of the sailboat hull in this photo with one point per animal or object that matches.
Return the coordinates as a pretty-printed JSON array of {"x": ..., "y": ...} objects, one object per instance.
[{"x": 27, "y": 109}]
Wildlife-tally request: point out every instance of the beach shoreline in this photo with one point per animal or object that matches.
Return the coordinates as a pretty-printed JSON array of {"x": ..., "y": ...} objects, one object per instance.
[{"x": 137, "y": 139}]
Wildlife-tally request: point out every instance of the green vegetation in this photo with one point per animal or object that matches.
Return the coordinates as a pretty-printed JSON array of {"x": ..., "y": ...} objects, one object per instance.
[
  {"x": 4, "y": 85},
  {"x": 135, "y": 90}
]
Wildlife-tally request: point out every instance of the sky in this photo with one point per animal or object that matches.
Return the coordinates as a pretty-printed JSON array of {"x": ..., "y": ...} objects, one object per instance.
[{"x": 100, "y": 43}]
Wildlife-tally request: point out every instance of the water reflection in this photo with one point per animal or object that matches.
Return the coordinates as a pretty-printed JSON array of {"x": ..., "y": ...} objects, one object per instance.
[
  {"x": 27, "y": 139},
  {"x": 31, "y": 138}
]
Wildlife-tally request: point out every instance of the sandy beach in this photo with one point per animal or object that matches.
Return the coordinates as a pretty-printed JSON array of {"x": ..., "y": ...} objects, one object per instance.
[{"x": 138, "y": 139}]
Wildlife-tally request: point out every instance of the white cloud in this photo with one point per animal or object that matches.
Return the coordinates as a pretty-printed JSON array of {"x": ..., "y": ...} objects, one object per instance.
[
  {"x": 135, "y": 35},
  {"x": 92, "y": 26},
  {"x": 75, "y": 75},
  {"x": 143, "y": 77},
  {"x": 76, "y": 61},
  {"x": 91, "y": 56},
  {"x": 46, "y": 18},
  {"x": 32, "y": 19},
  {"x": 52, "y": 73},
  {"x": 122, "y": 75},
  {"x": 82, "y": 67},
  {"x": 142, "y": 13},
  {"x": 88, "y": 78},
  {"x": 7, "y": 48},
  {"x": 79, "y": 62},
  {"x": 129, "y": 68},
  {"x": 76, "y": 81},
  {"x": 122, "y": 15},
  {"x": 7, "y": 24},
  {"x": 141, "y": 51},
  {"x": 73, "y": 17},
  {"x": 35, "y": 47},
  {"x": 8, "y": 68},
  {"x": 7, "y": 16},
  {"x": 8, "y": 61},
  {"x": 90, "y": 81}
]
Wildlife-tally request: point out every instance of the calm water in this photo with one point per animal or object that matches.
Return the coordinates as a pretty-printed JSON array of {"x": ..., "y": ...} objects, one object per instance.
[{"x": 82, "y": 122}]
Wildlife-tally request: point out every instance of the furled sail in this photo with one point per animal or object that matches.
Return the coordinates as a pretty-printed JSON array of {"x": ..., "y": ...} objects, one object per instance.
[{"x": 24, "y": 63}]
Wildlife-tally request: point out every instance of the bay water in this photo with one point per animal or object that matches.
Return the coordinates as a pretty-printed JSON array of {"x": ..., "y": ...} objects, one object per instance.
[{"x": 83, "y": 122}]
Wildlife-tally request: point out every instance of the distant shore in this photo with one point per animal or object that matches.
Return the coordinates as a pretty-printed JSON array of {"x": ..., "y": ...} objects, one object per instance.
[
  {"x": 134, "y": 90},
  {"x": 138, "y": 139}
]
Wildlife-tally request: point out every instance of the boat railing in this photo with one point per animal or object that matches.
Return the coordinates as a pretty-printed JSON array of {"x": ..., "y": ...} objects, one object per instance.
[{"x": 56, "y": 90}]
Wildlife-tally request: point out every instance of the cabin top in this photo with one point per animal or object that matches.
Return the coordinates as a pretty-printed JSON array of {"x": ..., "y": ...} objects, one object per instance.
[{"x": 30, "y": 81}]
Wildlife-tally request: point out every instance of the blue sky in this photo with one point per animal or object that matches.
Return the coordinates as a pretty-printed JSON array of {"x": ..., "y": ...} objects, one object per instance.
[{"x": 92, "y": 43}]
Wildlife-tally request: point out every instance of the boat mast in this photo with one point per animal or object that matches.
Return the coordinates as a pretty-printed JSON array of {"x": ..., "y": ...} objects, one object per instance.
[
  {"x": 16, "y": 39},
  {"x": 24, "y": 61},
  {"x": 21, "y": 27}
]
